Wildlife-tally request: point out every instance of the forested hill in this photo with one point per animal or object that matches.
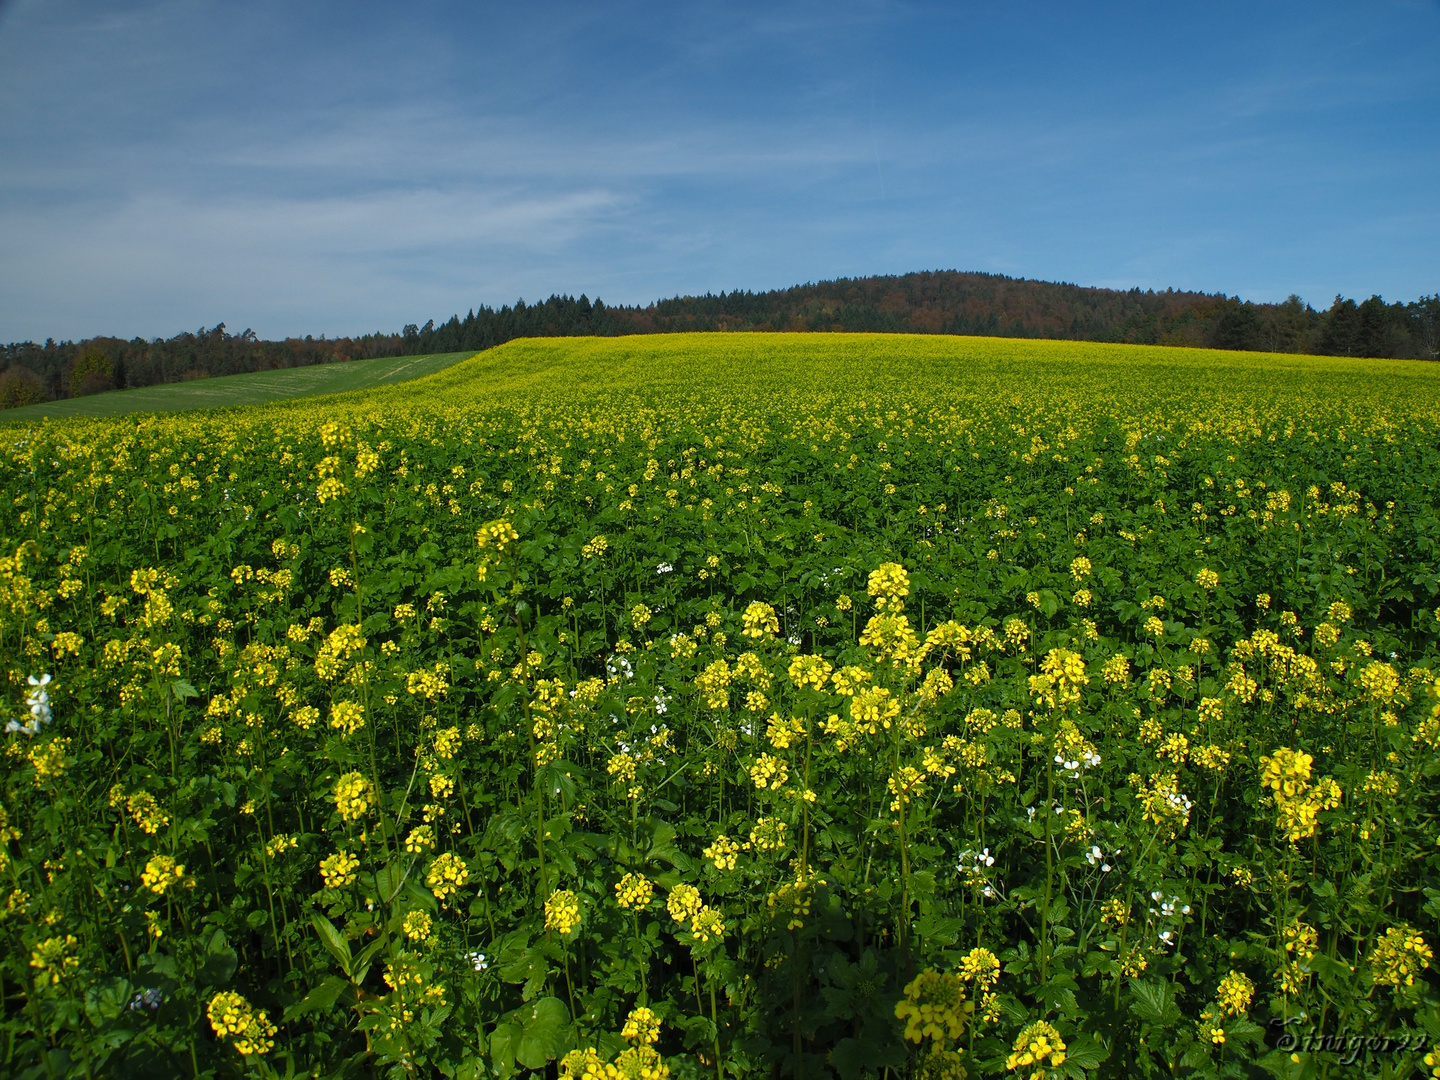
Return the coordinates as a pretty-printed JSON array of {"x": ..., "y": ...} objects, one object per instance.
[
  {"x": 950, "y": 302},
  {"x": 933, "y": 302}
]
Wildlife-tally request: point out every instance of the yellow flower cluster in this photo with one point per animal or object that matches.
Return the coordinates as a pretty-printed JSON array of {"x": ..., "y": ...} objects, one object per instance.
[
  {"x": 904, "y": 784},
  {"x": 428, "y": 684},
  {"x": 874, "y": 709},
  {"x": 142, "y": 807},
  {"x": 981, "y": 967},
  {"x": 811, "y": 671},
  {"x": 52, "y": 961},
  {"x": 794, "y": 896},
  {"x": 1380, "y": 681},
  {"x": 1116, "y": 670},
  {"x": 783, "y": 732},
  {"x": 352, "y": 796},
  {"x": 768, "y": 834},
  {"x": 634, "y": 891},
  {"x": 562, "y": 912},
  {"x": 338, "y": 870},
  {"x": 759, "y": 620},
  {"x": 1165, "y": 805},
  {"x": 248, "y": 1028},
  {"x": 417, "y": 925},
  {"x": 1062, "y": 677},
  {"x": 347, "y": 717},
  {"x": 344, "y": 641},
  {"x": 642, "y": 1027},
  {"x": 934, "y": 1007},
  {"x": 714, "y": 684},
  {"x": 1399, "y": 956},
  {"x": 769, "y": 772},
  {"x": 708, "y": 925},
  {"x": 49, "y": 760},
  {"x": 722, "y": 852},
  {"x": 499, "y": 534},
  {"x": 889, "y": 585},
  {"x": 447, "y": 875},
  {"x": 447, "y": 741},
  {"x": 1287, "y": 773},
  {"x": 1234, "y": 994},
  {"x": 635, "y": 1063},
  {"x": 684, "y": 903},
  {"x": 162, "y": 873},
  {"x": 1038, "y": 1051}
]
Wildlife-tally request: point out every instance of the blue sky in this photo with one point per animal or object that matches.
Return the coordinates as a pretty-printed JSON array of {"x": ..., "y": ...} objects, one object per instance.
[{"x": 340, "y": 168}]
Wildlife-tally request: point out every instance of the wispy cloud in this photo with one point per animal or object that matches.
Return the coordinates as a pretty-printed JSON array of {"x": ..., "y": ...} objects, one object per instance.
[{"x": 345, "y": 168}]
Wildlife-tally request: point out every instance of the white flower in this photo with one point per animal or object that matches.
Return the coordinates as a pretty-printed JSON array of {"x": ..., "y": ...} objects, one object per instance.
[
  {"x": 1166, "y": 936},
  {"x": 1093, "y": 856},
  {"x": 661, "y": 704},
  {"x": 618, "y": 666},
  {"x": 150, "y": 999},
  {"x": 975, "y": 863},
  {"x": 38, "y": 702},
  {"x": 664, "y": 568},
  {"x": 38, "y": 699},
  {"x": 1090, "y": 758},
  {"x": 477, "y": 960},
  {"x": 794, "y": 639}
]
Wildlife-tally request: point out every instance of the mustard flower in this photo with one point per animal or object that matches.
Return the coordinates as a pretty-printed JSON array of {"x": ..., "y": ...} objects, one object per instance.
[
  {"x": 447, "y": 874},
  {"x": 633, "y": 892},
  {"x": 562, "y": 912}
]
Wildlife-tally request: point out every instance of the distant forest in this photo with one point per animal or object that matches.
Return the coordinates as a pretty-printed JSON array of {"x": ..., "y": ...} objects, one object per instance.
[{"x": 937, "y": 302}]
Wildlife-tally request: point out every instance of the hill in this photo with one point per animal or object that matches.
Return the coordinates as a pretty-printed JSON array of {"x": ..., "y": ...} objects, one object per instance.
[{"x": 933, "y": 302}]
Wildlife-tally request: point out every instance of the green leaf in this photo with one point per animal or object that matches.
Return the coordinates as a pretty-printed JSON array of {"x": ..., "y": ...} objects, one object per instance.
[
  {"x": 360, "y": 966},
  {"x": 1086, "y": 1051},
  {"x": 522, "y": 963},
  {"x": 1197, "y": 1055},
  {"x": 390, "y": 878},
  {"x": 1154, "y": 1002},
  {"x": 502, "y": 1049},
  {"x": 183, "y": 689},
  {"x": 220, "y": 961},
  {"x": 939, "y": 929},
  {"x": 1243, "y": 1030},
  {"x": 321, "y": 999},
  {"x": 333, "y": 940},
  {"x": 107, "y": 1000},
  {"x": 545, "y": 1032}
]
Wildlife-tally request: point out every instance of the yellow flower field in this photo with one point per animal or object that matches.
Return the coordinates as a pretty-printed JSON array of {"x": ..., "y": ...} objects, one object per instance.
[{"x": 731, "y": 705}]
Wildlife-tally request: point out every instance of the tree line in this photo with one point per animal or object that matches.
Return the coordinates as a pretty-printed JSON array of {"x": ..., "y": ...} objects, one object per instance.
[{"x": 934, "y": 302}]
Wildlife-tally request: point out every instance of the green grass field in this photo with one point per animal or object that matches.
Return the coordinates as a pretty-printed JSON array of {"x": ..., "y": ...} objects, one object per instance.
[{"x": 255, "y": 388}]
